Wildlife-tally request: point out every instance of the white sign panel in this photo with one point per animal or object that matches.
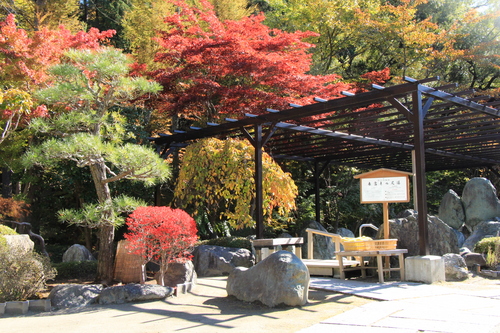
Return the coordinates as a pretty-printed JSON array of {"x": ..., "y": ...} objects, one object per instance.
[{"x": 384, "y": 189}]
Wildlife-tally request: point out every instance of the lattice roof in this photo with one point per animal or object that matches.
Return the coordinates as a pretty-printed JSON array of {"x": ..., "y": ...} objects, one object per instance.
[{"x": 374, "y": 129}]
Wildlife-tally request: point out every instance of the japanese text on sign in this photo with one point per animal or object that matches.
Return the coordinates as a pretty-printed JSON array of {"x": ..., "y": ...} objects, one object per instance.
[{"x": 386, "y": 189}]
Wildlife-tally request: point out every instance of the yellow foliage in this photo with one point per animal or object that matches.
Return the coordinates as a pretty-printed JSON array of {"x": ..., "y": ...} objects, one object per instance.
[{"x": 223, "y": 171}]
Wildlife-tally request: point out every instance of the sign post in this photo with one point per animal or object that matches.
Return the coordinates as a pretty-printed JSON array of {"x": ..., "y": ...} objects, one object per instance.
[{"x": 384, "y": 186}]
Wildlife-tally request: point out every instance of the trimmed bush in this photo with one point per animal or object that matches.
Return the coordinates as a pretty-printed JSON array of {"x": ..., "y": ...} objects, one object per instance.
[
  {"x": 81, "y": 270},
  {"x": 236, "y": 242},
  {"x": 22, "y": 276}
]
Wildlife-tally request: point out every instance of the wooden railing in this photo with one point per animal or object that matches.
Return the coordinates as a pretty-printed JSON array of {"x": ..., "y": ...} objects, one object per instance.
[{"x": 337, "y": 239}]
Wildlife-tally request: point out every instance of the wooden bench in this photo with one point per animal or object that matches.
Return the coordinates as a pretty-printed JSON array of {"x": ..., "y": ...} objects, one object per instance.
[{"x": 328, "y": 267}]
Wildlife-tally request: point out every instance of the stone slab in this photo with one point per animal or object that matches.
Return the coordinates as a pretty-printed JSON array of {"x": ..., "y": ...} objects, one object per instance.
[
  {"x": 426, "y": 269},
  {"x": 443, "y": 326},
  {"x": 17, "y": 307},
  {"x": 40, "y": 305},
  {"x": 2, "y": 308},
  {"x": 387, "y": 291}
]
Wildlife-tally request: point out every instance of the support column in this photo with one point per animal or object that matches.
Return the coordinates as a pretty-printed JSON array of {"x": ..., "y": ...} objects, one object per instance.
[
  {"x": 317, "y": 201},
  {"x": 420, "y": 182},
  {"x": 259, "y": 200}
]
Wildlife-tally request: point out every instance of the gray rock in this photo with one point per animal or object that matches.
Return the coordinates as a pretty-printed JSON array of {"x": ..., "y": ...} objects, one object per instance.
[
  {"x": 77, "y": 252},
  {"x": 74, "y": 295},
  {"x": 451, "y": 210},
  {"x": 21, "y": 243},
  {"x": 345, "y": 232},
  {"x": 178, "y": 273},
  {"x": 212, "y": 260},
  {"x": 134, "y": 293},
  {"x": 442, "y": 238},
  {"x": 323, "y": 248},
  {"x": 472, "y": 259},
  {"x": 281, "y": 278},
  {"x": 455, "y": 267},
  {"x": 480, "y": 202},
  {"x": 482, "y": 230},
  {"x": 460, "y": 237}
]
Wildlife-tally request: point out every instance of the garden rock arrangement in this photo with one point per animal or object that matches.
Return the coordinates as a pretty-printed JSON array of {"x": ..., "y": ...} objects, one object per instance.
[
  {"x": 476, "y": 214},
  {"x": 212, "y": 260},
  {"x": 134, "y": 293},
  {"x": 442, "y": 238},
  {"x": 281, "y": 278},
  {"x": 74, "y": 295},
  {"x": 77, "y": 295}
]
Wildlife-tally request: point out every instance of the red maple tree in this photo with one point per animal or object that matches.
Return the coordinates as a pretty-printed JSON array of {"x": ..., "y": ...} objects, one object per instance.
[
  {"x": 162, "y": 235},
  {"x": 24, "y": 61},
  {"x": 210, "y": 68},
  {"x": 25, "y": 57}
]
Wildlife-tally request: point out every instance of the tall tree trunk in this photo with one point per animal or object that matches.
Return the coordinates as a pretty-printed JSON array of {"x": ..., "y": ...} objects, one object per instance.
[
  {"x": 6, "y": 183},
  {"x": 105, "y": 260}
]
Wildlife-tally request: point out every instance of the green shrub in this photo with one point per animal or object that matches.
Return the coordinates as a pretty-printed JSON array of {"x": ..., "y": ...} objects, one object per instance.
[
  {"x": 490, "y": 247},
  {"x": 236, "y": 242},
  {"x": 22, "y": 275},
  {"x": 81, "y": 270},
  {"x": 487, "y": 244}
]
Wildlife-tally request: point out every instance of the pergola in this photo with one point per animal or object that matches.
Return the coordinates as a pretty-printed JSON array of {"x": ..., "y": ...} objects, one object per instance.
[{"x": 408, "y": 127}]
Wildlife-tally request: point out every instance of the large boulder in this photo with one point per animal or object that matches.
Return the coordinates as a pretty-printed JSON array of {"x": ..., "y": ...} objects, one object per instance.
[
  {"x": 178, "y": 273},
  {"x": 281, "y": 278},
  {"x": 323, "y": 246},
  {"x": 134, "y": 293},
  {"x": 77, "y": 252},
  {"x": 482, "y": 230},
  {"x": 74, "y": 295},
  {"x": 451, "y": 211},
  {"x": 455, "y": 268},
  {"x": 442, "y": 238},
  {"x": 21, "y": 243},
  {"x": 480, "y": 201},
  {"x": 212, "y": 260}
]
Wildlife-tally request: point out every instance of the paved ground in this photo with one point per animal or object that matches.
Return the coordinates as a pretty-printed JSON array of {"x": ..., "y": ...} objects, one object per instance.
[
  {"x": 413, "y": 307},
  {"x": 207, "y": 309},
  {"x": 335, "y": 306}
]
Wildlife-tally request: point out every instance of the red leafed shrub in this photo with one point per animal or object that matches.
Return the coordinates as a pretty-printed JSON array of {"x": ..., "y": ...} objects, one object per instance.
[{"x": 162, "y": 235}]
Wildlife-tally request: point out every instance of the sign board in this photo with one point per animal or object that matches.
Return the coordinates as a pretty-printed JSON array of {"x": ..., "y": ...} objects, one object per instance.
[
  {"x": 387, "y": 189},
  {"x": 384, "y": 185}
]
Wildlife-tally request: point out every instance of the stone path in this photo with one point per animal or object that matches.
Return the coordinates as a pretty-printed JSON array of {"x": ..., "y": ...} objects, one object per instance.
[{"x": 412, "y": 307}]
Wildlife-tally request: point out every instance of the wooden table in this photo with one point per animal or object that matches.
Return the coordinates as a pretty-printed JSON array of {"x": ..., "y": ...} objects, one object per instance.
[{"x": 379, "y": 254}]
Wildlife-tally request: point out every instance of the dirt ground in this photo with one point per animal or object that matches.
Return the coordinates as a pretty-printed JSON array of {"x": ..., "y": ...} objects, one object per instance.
[{"x": 206, "y": 309}]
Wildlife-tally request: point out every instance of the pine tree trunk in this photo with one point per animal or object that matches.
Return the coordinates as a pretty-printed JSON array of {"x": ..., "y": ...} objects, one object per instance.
[
  {"x": 105, "y": 259},
  {"x": 105, "y": 262}
]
